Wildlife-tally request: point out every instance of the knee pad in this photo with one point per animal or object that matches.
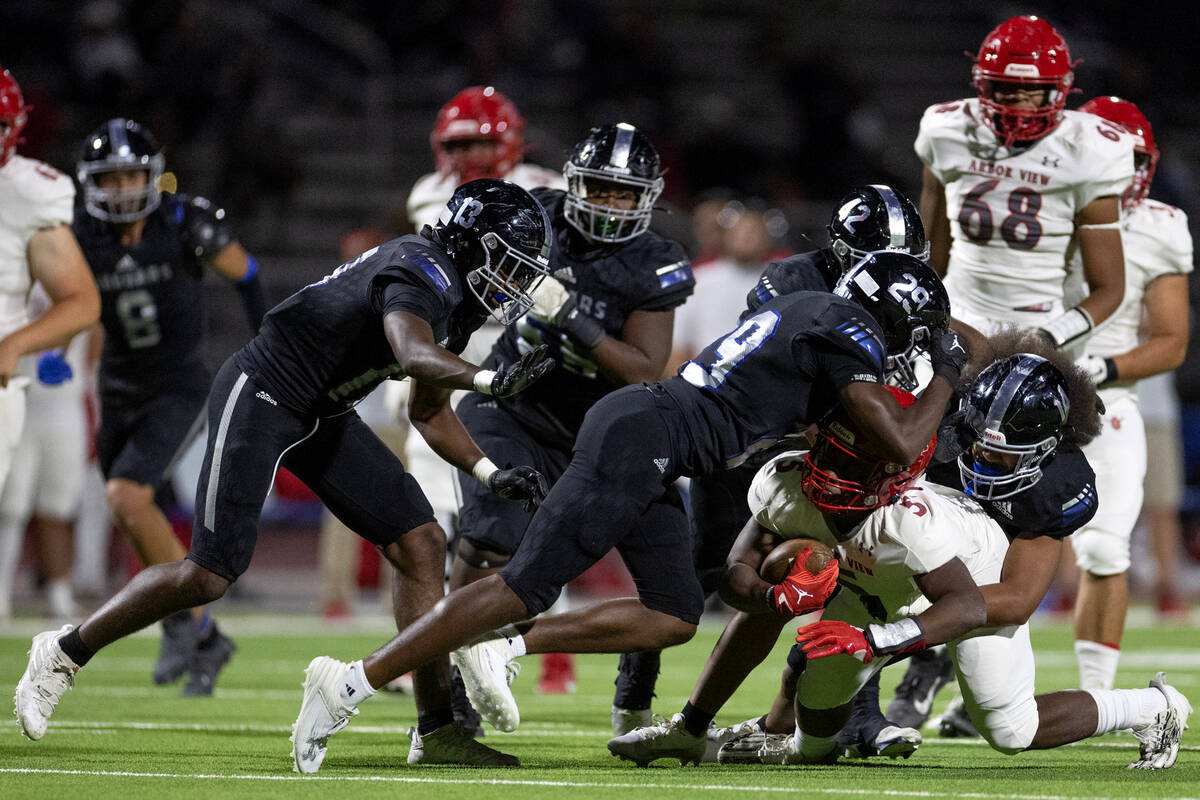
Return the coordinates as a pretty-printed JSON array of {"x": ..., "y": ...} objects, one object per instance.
[
  {"x": 1008, "y": 730},
  {"x": 479, "y": 558},
  {"x": 1101, "y": 552}
]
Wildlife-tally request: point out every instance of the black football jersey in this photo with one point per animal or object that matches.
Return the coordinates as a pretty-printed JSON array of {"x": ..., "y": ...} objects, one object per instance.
[
  {"x": 149, "y": 294},
  {"x": 814, "y": 271},
  {"x": 1062, "y": 502},
  {"x": 610, "y": 281},
  {"x": 776, "y": 373},
  {"x": 323, "y": 349}
]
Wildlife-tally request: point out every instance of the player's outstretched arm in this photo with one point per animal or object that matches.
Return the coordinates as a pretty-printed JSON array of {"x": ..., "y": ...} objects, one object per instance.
[
  {"x": 937, "y": 223},
  {"x": 1029, "y": 568},
  {"x": 899, "y": 434},
  {"x": 421, "y": 358},
  {"x": 242, "y": 268},
  {"x": 55, "y": 261}
]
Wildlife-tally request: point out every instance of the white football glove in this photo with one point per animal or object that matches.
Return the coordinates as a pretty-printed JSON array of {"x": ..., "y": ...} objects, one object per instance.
[
  {"x": 549, "y": 296},
  {"x": 1101, "y": 370}
]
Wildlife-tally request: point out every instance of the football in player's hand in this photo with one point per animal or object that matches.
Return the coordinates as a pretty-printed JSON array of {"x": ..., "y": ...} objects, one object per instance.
[{"x": 778, "y": 562}]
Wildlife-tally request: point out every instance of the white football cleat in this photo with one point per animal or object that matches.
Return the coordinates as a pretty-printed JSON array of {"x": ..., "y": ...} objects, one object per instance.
[
  {"x": 625, "y": 720},
  {"x": 322, "y": 712},
  {"x": 1160, "y": 737},
  {"x": 487, "y": 669},
  {"x": 717, "y": 737},
  {"x": 667, "y": 739},
  {"x": 48, "y": 675},
  {"x": 450, "y": 744}
]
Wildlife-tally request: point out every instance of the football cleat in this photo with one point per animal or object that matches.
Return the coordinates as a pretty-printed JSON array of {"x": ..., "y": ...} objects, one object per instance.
[
  {"x": 716, "y": 737},
  {"x": 666, "y": 739},
  {"x": 48, "y": 675},
  {"x": 488, "y": 669},
  {"x": 927, "y": 673},
  {"x": 752, "y": 747},
  {"x": 179, "y": 634},
  {"x": 625, "y": 720},
  {"x": 465, "y": 714},
  {"x": 451, "y": 744},
  {"x": 955, "y": 723},
  {"x": 207, "y": 659},
  {"x": 1160, "y": 736},
  {"x": 322, "y": 712},
  {"x": 890, "y": 742}
]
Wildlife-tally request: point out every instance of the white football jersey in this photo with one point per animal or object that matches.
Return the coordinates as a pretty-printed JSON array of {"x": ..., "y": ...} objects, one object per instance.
[
  {"x": 1012, "y": 211},
  {"x": 923, "y": 529},
  {"x": 431, "y": 193},
  {"x": 1156, "y": 242},
  {"x": 33, "y": 195}
]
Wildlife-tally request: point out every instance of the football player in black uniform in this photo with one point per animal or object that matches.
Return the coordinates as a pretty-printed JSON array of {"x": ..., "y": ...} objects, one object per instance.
[
  {"x": 867, "y": 219},
  {"x": 148, "y": 251},
  {"x": 607, "y": 316},
  {"x": 286, "y": 398},
  {"x": 778, "y": 371}
]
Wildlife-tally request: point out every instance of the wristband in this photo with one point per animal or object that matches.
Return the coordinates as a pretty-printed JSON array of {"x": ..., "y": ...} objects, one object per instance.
[
  {"x": 483, "y": 381},
  {"x": 1069, "y": 326},
  {"x": 483, "y": 470},
  {"x": 896, "y": 638}
]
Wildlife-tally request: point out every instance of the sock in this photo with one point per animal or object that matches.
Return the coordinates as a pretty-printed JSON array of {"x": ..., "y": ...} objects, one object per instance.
[
  {"x": 204, "y": 627},
  {"x": 637, "y": 676},
  {"x": 1118, "y": 709},
  {"x": 696, "y": 721},
  {"x": 75, "y": 649},
  {"x": 814, "y": 748},
  {"x": 761, "y": 723},
  {"x": 1097, "y": 663},
  {"x": 516, "y": 642},
  {"x": 355, "y": 687},
  {"x": 430, "y": 721}
]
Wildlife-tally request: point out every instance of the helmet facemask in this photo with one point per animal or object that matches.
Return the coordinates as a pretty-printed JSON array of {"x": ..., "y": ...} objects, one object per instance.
[
  {"x": 505, "y": 279},
  {"x": 125, "y": 204},
  {"x": 983, "y": 479},
  {"x": 602, "y": 223},
  {"x": 900, "y": 370},
  {"x": 1011, "y": 124}
]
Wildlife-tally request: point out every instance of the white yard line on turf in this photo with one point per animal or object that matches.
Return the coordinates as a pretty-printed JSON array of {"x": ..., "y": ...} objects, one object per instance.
[{"x": 689, "y": 787}]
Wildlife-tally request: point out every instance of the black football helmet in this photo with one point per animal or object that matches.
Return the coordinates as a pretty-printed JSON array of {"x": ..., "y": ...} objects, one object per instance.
[
  {"x": 498, "y": 236},
  {"x": 906, "y": 298},
  {"x": 120, "y": 144},
  {"x": 876, "y": 217},
  {"x": 1017, "y": 406},
  {"x": 614, "y": 154}
]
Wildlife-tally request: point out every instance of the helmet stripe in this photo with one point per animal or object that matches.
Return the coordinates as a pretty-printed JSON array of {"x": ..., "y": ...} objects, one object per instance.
[
  {"x": 116, "y": 136},
  {"x": 622, "y": 146},
  {"x": 1008, "y": 390},
  {"x": 896, "y": 227}
]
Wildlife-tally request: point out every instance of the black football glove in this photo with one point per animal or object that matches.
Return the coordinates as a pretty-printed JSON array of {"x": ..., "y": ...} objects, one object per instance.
[
  {"x": 520, "y": 483},
  {"x": 512, "y": 378},
  {"x": 949, "y": 354}
]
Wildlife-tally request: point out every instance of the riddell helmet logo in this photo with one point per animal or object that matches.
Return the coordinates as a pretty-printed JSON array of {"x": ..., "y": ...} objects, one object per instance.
[
  {"x": 1022, "y": 70},
  {"x": 842, "y": 432},
  {"x": 994, "y": 436}
]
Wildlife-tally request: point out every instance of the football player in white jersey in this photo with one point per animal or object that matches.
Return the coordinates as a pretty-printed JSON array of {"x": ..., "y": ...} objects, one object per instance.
[
  {"x": 36, "y": 244},
  {"x": 1147, "y": 336},
  {"x": 479, "y": 133},
  {"x": 895, "y": 601},
  {"x": 1013, "y": 184}
]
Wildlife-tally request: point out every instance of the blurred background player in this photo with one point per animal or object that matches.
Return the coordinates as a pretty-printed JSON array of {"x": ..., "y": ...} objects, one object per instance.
[
  {"x": 149, "y": 250},
  {"x": 36, "y": 245},
  {"x": 45, "y": 483},
  {"x": 606, "y": 313},
  {"x": 1012, "y": 183},
  {"x": 1147, "y": 336}
]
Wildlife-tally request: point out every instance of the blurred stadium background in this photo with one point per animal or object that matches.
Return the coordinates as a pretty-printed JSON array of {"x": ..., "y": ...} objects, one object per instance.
[{"x": 306, "y": 119}]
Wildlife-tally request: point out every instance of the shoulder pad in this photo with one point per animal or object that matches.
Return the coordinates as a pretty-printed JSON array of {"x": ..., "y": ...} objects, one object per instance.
[
  {"x": 850, "y": 328},
  {"x": 206, "y": 231}
]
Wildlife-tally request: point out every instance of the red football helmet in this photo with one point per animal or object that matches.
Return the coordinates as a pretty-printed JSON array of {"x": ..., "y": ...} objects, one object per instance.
[
  {"x": 1028, "y": 52},
  {"x": 13, "y": 113},
  {"x": 838, "y": 475},
  {"x": 478, "y": 112},
  {"x": 1127, "y": 115}
]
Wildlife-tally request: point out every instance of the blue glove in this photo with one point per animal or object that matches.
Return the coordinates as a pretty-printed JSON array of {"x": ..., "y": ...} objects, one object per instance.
[{"x": 52, "y": 367}]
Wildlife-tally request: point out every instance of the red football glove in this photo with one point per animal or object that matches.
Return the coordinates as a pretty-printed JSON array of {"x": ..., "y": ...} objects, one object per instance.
[
  {"x": 801, "y": 591},
  {"x": 833, "y": 637}
]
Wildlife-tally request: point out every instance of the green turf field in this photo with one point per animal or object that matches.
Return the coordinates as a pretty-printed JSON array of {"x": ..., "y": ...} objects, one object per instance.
[{"x": 116, "y": 734}]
